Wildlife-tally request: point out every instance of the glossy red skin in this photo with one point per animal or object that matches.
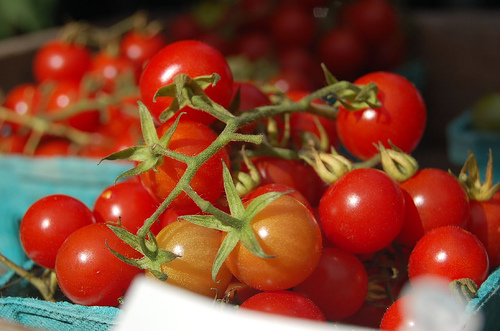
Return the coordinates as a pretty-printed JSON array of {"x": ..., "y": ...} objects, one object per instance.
[
  {"x": 296, "y": 174},
  {"x": 108, "y": 69},
  {"x": 401, "y": 118},
  {"x": 301, "y": 122},
  {"x": 374, "y": 20},
  {"x": 484, "y": 222},
  {"x": 284, "y": 303},
  {"x": 363, "y": 211},
  {"x": 23, "y": 99},
  {"x": 139, "y": 47},
  {"x": 394, "y": 318},
  {"x": 438, "y": 199},
  {"x": 64, "y": 94},
  {"x": 193, "y": 58},
  {"x": 338, "y": 285},
  {"x": 48, "y": 222},
  {"x": 59, "y": 60},
  {"x": 450, "y": 252},
  {"x": 128, "y": 203},
  {"x": 343, "y": 52},
  {"x": 292, "y": 25},
  {"x": 190, "y": 138},
  {"x": 276, "y": 187},
  {"x": 88, "y": 273}
]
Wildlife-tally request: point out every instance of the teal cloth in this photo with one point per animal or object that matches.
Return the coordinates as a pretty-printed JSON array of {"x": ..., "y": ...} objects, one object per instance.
[{"x": 23, "y": 180}]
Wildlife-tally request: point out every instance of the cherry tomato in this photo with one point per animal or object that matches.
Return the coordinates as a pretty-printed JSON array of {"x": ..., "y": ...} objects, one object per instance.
[
  {"x": 184, "y": 26},
  {"x": 401, "y": 118},
  {"x": 450, "y": 252},
  {"x": 363, "y": 211},
  {"x": 276, "y": 187},
  {"x": 436, "y": 198},
  {"x": 284, "y": 303},
  {"x": 395, "y": 317},
  {"x": 127, "y": 203},
  {"x": 54, "y": 146},
  {"x": 338, "y": 285},
  {"x": 190, "y": 138},
  {"x": 237, "y": 292},
  {"x": 193, "y": 58},
  {"x": 60, "y": 60},
  {"x": 484, "y": 222},
  {"x": 140, "y": 46},
  {"x": 287, "y": 230},
  {"x": 254, "y": 45},
  {"x": 292, "y": 25},
  {"x": 197, "y": 247},
  {"x": 22, "y": 99},
  {"x": 109, "y": 69},
  {"x": 88, "y": 273},
  {"x": 48, "y": 222}
]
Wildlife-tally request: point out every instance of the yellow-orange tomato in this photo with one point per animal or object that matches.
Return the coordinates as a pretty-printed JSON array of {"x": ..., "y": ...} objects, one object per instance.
[
  {"x": 288, "y": 231},
  {"x": 197, "y": 247}
]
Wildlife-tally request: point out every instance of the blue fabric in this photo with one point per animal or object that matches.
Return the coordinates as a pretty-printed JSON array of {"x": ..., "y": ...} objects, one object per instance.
[{"x": 23, "y": 180}]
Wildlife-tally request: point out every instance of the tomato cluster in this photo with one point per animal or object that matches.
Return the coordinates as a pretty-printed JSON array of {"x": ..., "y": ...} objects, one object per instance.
[{"x": 303, "y": 202}]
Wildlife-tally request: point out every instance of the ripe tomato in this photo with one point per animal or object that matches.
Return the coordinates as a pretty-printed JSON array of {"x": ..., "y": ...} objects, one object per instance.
[
  {"x": 292, "y": 25},
  {"x": 60, "y": 60},
  {"x": 395, "y": 317},
  {"x": 287, "y": 230},
  {"x": 22, "y": 99},
  {"x": 296, "y": 174},
  {"x": 48, "y": 222},
  {"x": 254, "y": 45},
  {"x": 276, "y": 187},
  {"x": 197, "y": 247},
  {"x": 193, "y": 58},
  {"x": 363, "y": 211},
  {"x": 401, "y": 118},
  {"x": 450, "y": 252},
  {"x": 435, "y": 199},
  {"x": 88, "y": 273},
  {"x": 127, "y": 203},
  {"x": 109, "y": 68},
  {"x": 338, "y": 285},
  {"x": 139, "y": 46},
  {"x": 237, "y": 292},
  {"x": 284, "y": 303},
  {"x": 484, "y": 222},
  {"x": 64, "y": 94},
  {"x": 53, "y": 146},
  {"x": 190, "y": 138}
]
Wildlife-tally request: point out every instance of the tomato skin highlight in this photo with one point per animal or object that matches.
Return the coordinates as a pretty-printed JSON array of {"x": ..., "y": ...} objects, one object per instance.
[
  {"x": 48, "y": 222},
  {"x": 197, "y": 247},
  {"x": 450, "y": 252},
  {"x": 190, "y": 57},
  {"x": 284, "y": 303},
  {"x": 287, "y": 230},
  {"x": 401, "y": 118},
  {"x": 88, "y": 273},
  {"x": 363, "y": 211}
]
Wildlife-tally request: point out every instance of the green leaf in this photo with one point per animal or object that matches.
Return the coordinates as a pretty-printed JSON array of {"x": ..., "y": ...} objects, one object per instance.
[
  {"x": 261, "y": 202},
  {"x": 330, "y": 78},
  {"x": 235, "y": 204},
  {"x": 126, "y": 236},
  {"x": 208, "y": 221},
  {"x": 165, "y": 139},
  {"x": 227, "y": 246},
  {"x": 148, "y": 126}
]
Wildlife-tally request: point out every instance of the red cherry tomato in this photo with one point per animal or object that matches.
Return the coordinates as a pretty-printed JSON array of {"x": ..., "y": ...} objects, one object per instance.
[
  {"x": 284, "y": 303},
  {"x": 127, "y": 203},
  {"x": 23, "y": 99},
  {"x": 401, "y": 118},
  {"x": 338, "y": 285},
  {"x": 139, "y": 47},
  {"x": 449, "y": 252},
  {"x": 193, "y": 58},
  {"x": 395, "y": 317},
  {"x": 190, "y": 138},
  {"x": 484, "y": 222},
  {"x": 108, "y": 69},
  {"x": 48, "y": 222},
  {"x": 88, "y": 273},
  {"x": 292, "y": 25},
  {"x": 363, "y": 211},
  {"x": 59, "y": 60},
  {"x": 277, "y": 187},
  {"x": 436, "y": 199}
]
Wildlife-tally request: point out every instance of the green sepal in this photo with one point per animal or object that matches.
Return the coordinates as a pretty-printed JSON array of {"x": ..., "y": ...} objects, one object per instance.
[
  {"x": 208, "y": 221},
  {"x": 330, "y": 78},
  {"x": 227, "y": 246},
  {"x": 258, "y": 203},
  {"x": 355, "y": 97},
  {"x": 147, "y": 125},
  {"x": 234, "y": 201}
]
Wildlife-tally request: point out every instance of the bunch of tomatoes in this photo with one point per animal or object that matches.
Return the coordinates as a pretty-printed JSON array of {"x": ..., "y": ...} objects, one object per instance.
[{"x": 304, "y": 203}]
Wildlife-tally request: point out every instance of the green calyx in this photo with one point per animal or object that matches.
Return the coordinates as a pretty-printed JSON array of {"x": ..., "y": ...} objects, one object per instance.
[
  {"x": 396, "y": 163},
  {"x": 470, "y": 179}
]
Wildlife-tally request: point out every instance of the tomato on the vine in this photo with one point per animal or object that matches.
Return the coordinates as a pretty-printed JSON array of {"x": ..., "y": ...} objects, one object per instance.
[
  {"x": 189, "y": 138},
  {"x": 197, "y": 247},
  {"x": 61, "y": 60},
  {"x": 287, "y": 230},
  {"x": 193, "y": 58},
  {"x": 23, "y": 99},
  {"x": 284, "y": 303},
  {"x": 88, "y": 273},
  {"x": 338, "y": 285},
  {"x": 363, "y": 211},
  {"x": 401, "y": 119},
  {"x": 140, "y": 46},
  {"x": 48, "y": 222},
  {"x": 449, "y": 252}
]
